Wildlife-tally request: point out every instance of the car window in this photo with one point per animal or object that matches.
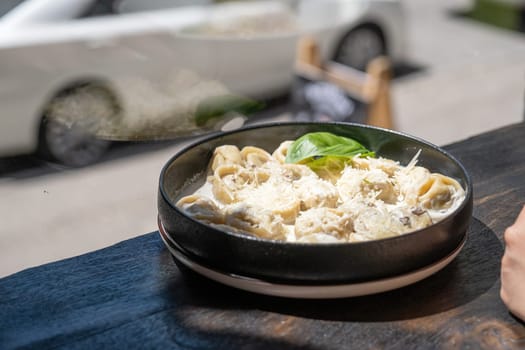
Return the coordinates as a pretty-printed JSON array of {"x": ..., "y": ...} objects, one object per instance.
[
  {"x": 100, "y": 8},
  {"x": 7, "y": 5},
  {"x": 112, "y": 7},
  {"x": 127, "y": 6}
]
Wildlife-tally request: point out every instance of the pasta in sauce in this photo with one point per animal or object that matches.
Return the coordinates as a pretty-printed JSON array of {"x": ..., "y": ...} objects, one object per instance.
[{"x": 251, "y": 191}]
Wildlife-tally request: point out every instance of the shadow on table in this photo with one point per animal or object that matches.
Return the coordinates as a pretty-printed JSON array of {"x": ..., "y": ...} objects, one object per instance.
[
  {"x": 407, "y": 69},
  {"x": 29, "y": 166},
  {"x": 469, "y": 276}
]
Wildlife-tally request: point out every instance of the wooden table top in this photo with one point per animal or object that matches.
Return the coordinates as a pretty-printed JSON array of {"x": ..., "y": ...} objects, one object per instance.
[{"x": 133, "y": 295}]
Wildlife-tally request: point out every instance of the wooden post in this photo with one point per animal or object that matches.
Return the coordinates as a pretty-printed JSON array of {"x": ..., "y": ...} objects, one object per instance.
[
  {"x": 372, "y": 87},
  {"x": 377, "y": 91},
  {"x": 308, "y": 52}
]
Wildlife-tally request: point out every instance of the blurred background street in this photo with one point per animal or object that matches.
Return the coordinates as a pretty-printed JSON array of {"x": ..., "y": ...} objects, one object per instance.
[
  {"x": 461, "y": 78},
  {"x": 473, "y": 78}
]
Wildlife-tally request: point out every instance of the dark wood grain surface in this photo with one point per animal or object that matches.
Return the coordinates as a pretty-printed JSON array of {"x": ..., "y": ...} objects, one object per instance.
[{"x": 132, "y": 295}]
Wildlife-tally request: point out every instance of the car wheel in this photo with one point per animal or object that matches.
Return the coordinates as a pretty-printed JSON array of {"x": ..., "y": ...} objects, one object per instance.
[
  {"x": 360, "y": 46},
  {"x": 74, "y": 124}
]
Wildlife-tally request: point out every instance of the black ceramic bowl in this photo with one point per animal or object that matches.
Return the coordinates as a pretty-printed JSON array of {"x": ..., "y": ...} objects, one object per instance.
[{"x": 308, "y": 263}]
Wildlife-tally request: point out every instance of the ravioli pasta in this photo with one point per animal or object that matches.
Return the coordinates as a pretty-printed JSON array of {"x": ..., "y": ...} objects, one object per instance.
[{"x": 251, "y": 191}]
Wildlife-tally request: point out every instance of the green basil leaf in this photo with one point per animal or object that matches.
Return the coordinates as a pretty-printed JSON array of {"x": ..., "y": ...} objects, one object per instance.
[
  {"x": 313, "y": 146},
  {"x": 329, "y": 167}
]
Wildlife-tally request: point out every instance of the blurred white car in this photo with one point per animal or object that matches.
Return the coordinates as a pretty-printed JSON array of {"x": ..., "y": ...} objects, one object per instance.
[{"x": 77, "y": 73}]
